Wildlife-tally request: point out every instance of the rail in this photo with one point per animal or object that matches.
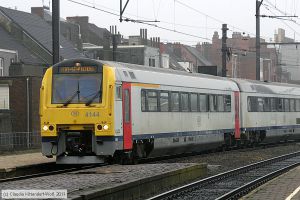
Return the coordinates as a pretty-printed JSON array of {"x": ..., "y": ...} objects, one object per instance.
[{"x": 234, "y": 191}]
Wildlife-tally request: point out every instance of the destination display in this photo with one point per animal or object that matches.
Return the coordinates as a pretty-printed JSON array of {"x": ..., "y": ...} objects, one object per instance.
[{"x": 77, "y": 69}]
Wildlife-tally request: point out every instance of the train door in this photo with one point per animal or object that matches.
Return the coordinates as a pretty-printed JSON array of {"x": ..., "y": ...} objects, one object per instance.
[
  {"x": 127, "y": 121},
  {"x": 237, "y": 131}
]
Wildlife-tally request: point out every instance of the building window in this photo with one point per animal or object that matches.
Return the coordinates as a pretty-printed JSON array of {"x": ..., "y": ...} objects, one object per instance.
[
  {"x": 151, "y": 62},
  {"x": 1, "y": 67},
  {"x": 4, "y": 97}
]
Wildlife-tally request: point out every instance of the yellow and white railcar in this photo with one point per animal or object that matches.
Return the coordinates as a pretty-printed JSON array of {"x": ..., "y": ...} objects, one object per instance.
[{"x": 93, "y": 110}]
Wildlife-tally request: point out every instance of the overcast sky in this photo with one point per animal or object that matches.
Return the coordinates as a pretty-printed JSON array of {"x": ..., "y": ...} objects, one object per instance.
[{"x": 198, "y": 18}]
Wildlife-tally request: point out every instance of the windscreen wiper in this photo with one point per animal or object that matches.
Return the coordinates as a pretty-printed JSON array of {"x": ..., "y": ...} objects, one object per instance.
[
  {"x": 94, "y": 97},
  {"x": 71, "y": 98}
]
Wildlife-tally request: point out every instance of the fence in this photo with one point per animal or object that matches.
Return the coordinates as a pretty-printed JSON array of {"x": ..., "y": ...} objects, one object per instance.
[{"x": 19, "y": 141}]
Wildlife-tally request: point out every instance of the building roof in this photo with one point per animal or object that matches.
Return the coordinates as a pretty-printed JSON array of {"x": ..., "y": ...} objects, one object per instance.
[
  {"x": 40, "y": 31},
  {"x": 173, "y": 59},
  {"x": 197, "y": 54},
  {"x": 10, "y": 43},
  {"x": 97, "y": 30}
]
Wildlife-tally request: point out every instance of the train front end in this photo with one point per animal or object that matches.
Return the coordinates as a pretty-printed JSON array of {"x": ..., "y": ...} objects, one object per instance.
[{"x": 76, "y": 112}]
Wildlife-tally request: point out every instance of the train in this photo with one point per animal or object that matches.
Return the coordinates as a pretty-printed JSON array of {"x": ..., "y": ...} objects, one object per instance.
[{"x": 94, "y": 111}]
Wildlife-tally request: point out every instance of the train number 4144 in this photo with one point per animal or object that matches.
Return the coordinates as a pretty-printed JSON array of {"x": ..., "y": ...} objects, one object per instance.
[{"x": 92, "y": 114}]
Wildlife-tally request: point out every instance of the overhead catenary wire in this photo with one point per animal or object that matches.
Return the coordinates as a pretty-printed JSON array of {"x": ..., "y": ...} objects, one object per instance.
[
  {"x": 139, "y": 21},
  {"x": 285, "y": 23},
  {"x": 148, "y": 19}
]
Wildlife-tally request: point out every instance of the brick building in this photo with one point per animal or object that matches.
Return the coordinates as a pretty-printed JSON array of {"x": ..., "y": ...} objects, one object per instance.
[
  {"x": 241, "y": 61},
  {"x": 19, "y": 109}
]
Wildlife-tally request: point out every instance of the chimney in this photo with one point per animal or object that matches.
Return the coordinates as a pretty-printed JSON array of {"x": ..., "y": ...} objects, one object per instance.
[
  {"x": 158, "y": 42},
  {"x": 39, "y": 11},
  {"x": 146, "y": 37}
]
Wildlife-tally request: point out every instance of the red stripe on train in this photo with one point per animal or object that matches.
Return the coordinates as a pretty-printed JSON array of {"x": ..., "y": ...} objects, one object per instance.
[{"x": 237, "y": 132}]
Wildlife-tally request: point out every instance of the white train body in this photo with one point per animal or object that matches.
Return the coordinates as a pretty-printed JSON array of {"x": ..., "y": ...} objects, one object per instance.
[
  {"x": 145, "y": 111},
  {"x": 277, "y": 111}
]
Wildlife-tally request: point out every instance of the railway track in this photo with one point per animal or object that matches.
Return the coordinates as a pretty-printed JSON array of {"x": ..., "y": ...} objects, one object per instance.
[{"x": 235, "y": 183}]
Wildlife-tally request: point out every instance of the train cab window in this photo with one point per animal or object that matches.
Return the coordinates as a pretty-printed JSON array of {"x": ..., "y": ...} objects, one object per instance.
[
  {"x": 175, "y": 101},
  {"x": 203, "y": 102},
  {"x": 213, "y": 103},
  {"x": 227, "y": 103},
  {"x": 194, "y": 105},
  {"x": 143, "y": 98},
  {"x": 184, "y": 98},
  {"x": 286, "y": 105},
  {"x": 152, "y": 100},
  {"x": 164, "y": 101},
  {"x": 220, "y": 104},
  {"x": 297, "y": 105},
  {"x": 292, "y": 105}
]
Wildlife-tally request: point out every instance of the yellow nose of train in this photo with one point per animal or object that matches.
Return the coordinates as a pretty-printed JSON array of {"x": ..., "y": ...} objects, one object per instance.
[{"x": 76, "y": 109}]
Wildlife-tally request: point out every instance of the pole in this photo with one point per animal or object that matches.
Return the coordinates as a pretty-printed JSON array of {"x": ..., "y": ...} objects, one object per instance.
[
  {"x": 258, "y": 4},
  {"x": 28, "y": 114},
  {"x": 55, "y": 30},
  {"x": 224, "y": 49}
]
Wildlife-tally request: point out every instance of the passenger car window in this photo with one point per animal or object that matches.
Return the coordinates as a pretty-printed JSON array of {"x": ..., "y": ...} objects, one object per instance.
[
  {"x": 127, "y": 105},
  {"x": 227, "y": 103},
  {"x": 152, "y": 100},
  {"x": 174, "y": 101},
  {"x": 164, "y": 101},
  {"x": 286, "y": 105},
  {"x": 297, "y": 105},
  {"x": 184, "y": 101},
  {"x": 143, "y": 103},
  {"x": 203, "y": 102},
  {"x": 292, "y": 105},
  {"x": 213, "y": 103},
  {"x": 220, "y": 103},
  {"x": 194, "y": 105}
]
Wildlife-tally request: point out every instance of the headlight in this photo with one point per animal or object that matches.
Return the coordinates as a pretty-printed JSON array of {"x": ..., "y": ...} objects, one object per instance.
[
  {"x": 45, "y": 127},
  {"x": 105, "y": 127}
]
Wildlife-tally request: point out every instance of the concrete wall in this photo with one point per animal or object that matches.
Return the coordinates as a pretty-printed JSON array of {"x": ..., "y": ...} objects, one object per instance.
[
  {"x": 290, "y": 60},
  {"x": 151, "y": 53}
]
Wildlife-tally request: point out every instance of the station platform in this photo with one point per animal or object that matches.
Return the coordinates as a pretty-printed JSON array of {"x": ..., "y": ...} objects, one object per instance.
[
  {"x": 286, "y": 186},
  {"x": 11, "y": 162}
]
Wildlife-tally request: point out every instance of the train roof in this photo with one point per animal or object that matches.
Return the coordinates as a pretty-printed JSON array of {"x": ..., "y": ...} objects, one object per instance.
[
  {"x": 154, "y": 75},
  {"x": 253, "y": 86}
]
